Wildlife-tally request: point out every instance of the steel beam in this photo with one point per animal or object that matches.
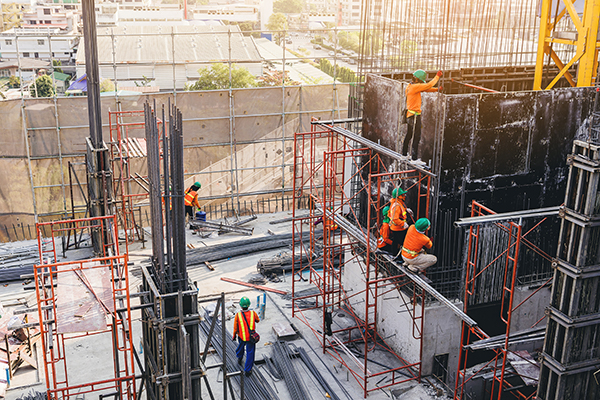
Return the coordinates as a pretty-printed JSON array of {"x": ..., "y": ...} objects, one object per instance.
[{"x": 377, "y": 147}]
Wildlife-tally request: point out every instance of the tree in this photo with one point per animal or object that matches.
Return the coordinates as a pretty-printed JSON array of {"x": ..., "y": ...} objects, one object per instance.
[
  {"x": 106, "y": 85},
  {"x": 56, "y": 64},
  {"x": 277, "y": 22},
  {"x": 42, "y": 87},
  {"x": 288, "y": 6},
  {"x": 217, "y": 77},
  {"x": 14, "y": 82},
  {"x": 144, "y": 83}
]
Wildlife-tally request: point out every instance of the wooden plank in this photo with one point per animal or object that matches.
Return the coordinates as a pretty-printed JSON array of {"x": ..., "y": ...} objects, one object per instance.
[{"x": 257, "y": 287}]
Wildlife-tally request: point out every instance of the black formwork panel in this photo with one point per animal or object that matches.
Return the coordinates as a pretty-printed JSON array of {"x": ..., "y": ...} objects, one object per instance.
[
  {"x": 571, "y": 385},
  {"x": 571, "y": 353}
]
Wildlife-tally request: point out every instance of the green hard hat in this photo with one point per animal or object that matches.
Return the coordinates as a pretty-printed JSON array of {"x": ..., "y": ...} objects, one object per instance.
[
  {"x": 394, "y": 193},
  {"x": 244, "y": 302},
  {"x": 420, "y": 74},
  {"x": 386, "y": 210},
  {"x": 422, "y": 224},
  {"x": 400, "y": 192},
  {"x": 198, "y": 185}
]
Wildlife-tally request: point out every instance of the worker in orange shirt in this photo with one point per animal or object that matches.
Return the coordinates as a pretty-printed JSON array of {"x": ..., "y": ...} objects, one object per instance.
[
  {"x": 191, "y": 199},
  {"x": 413, "y": 252},
  {"x": 413, "y": 106},
  {"x": 244, "y": 324},
  {"x": 384, "y": 243},
  {"x": 398, "y": 216}
]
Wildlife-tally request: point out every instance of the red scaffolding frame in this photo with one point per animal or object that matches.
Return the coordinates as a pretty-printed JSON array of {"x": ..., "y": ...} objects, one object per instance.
[
  {"x": 322, "y": 163},
  {"x": 125, "y": 146},
  {"x": 510, "y": 258},
  {"x": 53, "y": 315}
]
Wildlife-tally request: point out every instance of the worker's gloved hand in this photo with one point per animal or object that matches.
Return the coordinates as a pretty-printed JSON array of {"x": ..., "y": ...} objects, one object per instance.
[
  {"x": 410, "y": 211},
  {"x": 441, "y": 89},
  {"x": 405, "y": 225},
  {"x": 440, "y": 73}
]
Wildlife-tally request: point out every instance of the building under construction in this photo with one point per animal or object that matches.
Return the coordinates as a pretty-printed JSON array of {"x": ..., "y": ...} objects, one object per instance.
[{"x": 126, "y": 300}]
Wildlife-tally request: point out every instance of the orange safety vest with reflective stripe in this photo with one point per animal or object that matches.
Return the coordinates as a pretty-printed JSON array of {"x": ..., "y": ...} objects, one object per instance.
[
  {"x": 239, "y": 324},
  {"x": 384, "y": 238},
  {"x": 397, "y": 215},
  {"x": 191, "y": 198}
]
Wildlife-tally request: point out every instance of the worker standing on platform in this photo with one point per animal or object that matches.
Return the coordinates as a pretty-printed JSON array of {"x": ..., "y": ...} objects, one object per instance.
[
  {"x": 244, "y": 324},
  {"x": 413, "y": 252},
  {"x": 384, "y": 243},
  {"x": 413, "y": 109},
  {"x": 191, "y": 200},
  {"x": 398, "y": 218}
]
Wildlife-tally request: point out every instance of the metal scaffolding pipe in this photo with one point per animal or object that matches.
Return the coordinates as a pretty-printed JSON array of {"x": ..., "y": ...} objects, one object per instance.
[{"x": 538, "y": 212}]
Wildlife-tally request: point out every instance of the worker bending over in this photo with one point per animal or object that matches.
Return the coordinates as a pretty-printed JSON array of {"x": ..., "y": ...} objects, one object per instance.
[
  {"x": 398, "y": 218},
  {"x": 384, "y": 243},
  {"x": 244, "y": 324},
  {"x": 191, "y": 200},
  {"x": 413, "y": 106},
  {"x": 413, "y": 252}
]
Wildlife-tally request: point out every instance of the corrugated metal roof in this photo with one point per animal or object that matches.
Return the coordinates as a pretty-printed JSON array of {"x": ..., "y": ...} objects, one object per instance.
[{"x": 154, "y": 44}]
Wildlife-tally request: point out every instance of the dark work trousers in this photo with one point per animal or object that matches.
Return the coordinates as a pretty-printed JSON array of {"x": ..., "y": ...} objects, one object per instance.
[
  {"x": 189, "y": 210},
  {"x": 239, "y": 352},
  {"x": 414, "y": 129},
  {"x": 397, "y": 240}
]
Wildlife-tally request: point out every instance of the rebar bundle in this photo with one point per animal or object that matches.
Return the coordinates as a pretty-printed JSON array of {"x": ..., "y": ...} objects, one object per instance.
[
  {"x": 293, "y": 380},
  {"x": 255, "y": 386}
]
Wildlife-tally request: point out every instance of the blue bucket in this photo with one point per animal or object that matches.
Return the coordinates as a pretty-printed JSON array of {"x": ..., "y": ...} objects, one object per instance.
[{"x": 200, "y": 216}]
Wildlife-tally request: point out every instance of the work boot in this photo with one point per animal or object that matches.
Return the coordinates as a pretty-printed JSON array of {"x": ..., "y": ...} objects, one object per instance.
[{"x": 248, "y": 373}]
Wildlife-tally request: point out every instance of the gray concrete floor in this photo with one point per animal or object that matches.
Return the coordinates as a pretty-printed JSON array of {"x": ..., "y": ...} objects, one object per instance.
[{"x": 90, "y": 358}]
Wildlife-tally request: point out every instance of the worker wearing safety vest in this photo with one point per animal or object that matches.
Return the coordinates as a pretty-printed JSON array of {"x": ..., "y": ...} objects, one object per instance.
[
  {"x": 384, "y": 243},
  {"x": 191, "y": 199},
  {"x": 243, "y": 324},
  {"x": 413, "y": 252},
  {"x": 413, "y": 106},
  {"x": 398, "y": 214}
]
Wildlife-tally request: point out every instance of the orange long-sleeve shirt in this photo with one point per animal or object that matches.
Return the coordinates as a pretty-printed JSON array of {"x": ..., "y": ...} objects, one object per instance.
[
  {"x": 413, "y": 95},
  {"x": 414, "y": 242}
]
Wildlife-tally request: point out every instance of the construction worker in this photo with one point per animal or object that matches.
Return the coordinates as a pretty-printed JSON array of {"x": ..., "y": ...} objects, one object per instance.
[
  {"x": 398, "y": 214},
  {"x": 413, "y": 106},
  {"x": 243, "y": 326},
  {"x": 384, "y": 243},
  {"x": 191, "y": 200},
  {"x": 413, "y": 252}
]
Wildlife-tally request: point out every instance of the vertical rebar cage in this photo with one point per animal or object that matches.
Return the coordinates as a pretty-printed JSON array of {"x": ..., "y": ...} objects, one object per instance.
[
  {"x": 327, "y": 167},
  {"x": 78, "y": 299}
]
